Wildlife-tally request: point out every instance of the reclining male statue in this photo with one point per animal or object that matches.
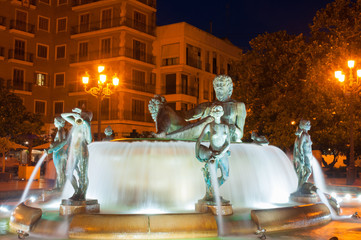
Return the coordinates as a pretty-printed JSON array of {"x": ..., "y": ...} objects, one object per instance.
[{"x": 173, "y": 126}]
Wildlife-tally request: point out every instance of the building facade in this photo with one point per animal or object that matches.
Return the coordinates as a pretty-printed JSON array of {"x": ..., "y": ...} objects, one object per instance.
[{"x": 46, "y": 46}]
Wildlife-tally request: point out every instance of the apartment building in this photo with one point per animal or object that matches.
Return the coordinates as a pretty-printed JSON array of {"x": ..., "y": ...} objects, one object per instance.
[{"x": 46, "y": 46}]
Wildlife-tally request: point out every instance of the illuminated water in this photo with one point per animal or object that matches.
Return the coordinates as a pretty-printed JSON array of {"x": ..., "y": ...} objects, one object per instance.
[{"x": 156, "y": 176}]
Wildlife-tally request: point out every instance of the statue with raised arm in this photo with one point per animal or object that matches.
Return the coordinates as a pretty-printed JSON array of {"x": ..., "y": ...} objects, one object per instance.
[
  {"x": 77, "y": 167},
  {"x": 215, "y": 156},
  {"x": 302, "y": 153},
  {"x": 59, "y": 152},
  {"x": 234, "y": 115}
]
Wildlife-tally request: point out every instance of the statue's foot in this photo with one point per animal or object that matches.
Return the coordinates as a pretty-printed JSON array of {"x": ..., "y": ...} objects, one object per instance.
[{"x": 77, "y": 197}]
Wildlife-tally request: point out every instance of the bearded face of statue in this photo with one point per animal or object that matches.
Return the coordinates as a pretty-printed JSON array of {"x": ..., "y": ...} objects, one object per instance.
[{"x": 223, "y": 92}]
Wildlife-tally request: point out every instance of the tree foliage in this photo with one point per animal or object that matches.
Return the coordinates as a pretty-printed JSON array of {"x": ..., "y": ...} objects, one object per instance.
[{"x": 285, "y": 78}]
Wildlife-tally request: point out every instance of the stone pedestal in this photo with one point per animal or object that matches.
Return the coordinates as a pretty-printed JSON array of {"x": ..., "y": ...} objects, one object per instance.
[
  {"x": 304, "y": 198},
  {"x": 204, "y": 207},
  {"x": 72, "y": 207}
]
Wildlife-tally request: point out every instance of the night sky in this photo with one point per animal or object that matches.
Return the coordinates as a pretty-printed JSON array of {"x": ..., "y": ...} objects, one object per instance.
[{"x": 241, "y": 20}]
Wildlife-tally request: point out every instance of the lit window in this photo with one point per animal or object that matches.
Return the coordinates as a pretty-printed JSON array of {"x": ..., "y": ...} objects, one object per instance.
[{"x": 40, "y": 79}]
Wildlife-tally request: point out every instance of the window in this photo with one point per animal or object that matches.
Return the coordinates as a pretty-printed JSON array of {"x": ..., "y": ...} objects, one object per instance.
[
  {"x": 18, "y": 79},
  {"x": 62, "y": 2},
  {"x": 83, "y": 51},
  {"x": 43, "y": 23},
  {"x": 58, "y": 107},
  {"x": 45, "y": 1},
  {"x": 138, "y": 110},
  {"x": 61, "y": 24},
  {"x": 84, "y": 23},
  {"x": 21, "y": 20},
  {"x": 139, "y": 21},
  {"x": 106, "y": 18},
  {"x": 171, "y": 83},
  {"x": 139, "y": 50},
  {"x": 184, "y": 79},
  {"x": 40, "y": 107},
  {"x": 138, "y": 77},
  {"x": 83, "y": 104},
  {"x": 59, "y": 79},
  {"x": 19, "y": 49},
  {"x": 42, "y": 51},
  {"x": 40, "y": 79},
  {"x": 60, "y": 52},
  {"x": 105, "y": 47}
]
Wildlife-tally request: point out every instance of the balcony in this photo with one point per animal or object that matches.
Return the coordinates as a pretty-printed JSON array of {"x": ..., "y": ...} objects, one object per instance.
[
  {"x": 20, "y": 85},
  {"x": 208, "y": 67},
  {"x": 170, "y": 61},
  {"x": 114, "y": 53},
  {"x": 21, "y": 55},
  {"x": 75, "y": 88},
  {"x": 150, "y": 3},
  {"x": 32, "y": 3},
  {"x": 129, "y": 115},
  {"x": 113, "y": 23},
  {"x": 194, "y": 62},
  {"x": 140, "y": 86},
  {"x": 22, "y": 26},
  {"x": 75, "y": 3},
  {"x": 2, "y": 22},
  {"x": 2, "y": 52},
  {"x": 191, "y": 91}
]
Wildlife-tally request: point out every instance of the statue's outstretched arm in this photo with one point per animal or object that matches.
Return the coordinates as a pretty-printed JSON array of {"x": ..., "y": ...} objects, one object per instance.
[
  {"x": 196, "y": 112},
  {"x": 241, "y": 117},
  {"x": 57, "y": 146},
  {"x": 70, "y": 117},
  {"x": 200, "y": 139}
]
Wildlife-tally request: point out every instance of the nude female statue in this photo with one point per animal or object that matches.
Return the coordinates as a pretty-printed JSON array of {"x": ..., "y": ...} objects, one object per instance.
[
  {"x": 79, "y": 155},
  {"x": 217, "y": 153},
  {"x": 59, "y": 152}
]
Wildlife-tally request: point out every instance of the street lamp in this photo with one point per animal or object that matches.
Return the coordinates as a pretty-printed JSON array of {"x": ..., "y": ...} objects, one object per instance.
[
  {"x": 101, "y": 90},
  {"x": 351, "y": 87}
]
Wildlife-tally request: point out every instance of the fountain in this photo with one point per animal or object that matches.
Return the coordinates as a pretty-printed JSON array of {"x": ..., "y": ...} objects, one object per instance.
[{"x": 149, "y": 188}]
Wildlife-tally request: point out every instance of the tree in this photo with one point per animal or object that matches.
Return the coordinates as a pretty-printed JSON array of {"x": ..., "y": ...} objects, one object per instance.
[
  {"x": 17, "y": 123},
  {"x": 5, "y": 146}
]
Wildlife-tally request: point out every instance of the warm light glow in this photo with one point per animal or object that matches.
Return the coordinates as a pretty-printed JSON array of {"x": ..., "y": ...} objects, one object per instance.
[
  {"x": 100, "y": 69},
  {"x": 351, "y": 63},
  {"x": 348, "y": 196},
  {"x": 341, "y": 78},
  {"x": 293, "y": 122},
  {"x": 103, "y": 78},
  {"x": 359, "y": 72},
  {"x": 115, "y": 80},
  {"x": 338, "y": 74},
  {"x": 85, "y": 79}
]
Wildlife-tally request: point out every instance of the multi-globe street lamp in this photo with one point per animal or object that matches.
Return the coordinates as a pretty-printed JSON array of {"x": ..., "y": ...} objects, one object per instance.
[
  {"x": 351, "y": 89},
  {"x": 102, "y": 89}
]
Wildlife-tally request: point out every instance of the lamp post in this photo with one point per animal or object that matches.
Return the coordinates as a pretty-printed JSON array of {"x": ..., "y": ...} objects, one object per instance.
[
  {"x": 100, "y": 91},
  {"x": 351, "y": 87}
]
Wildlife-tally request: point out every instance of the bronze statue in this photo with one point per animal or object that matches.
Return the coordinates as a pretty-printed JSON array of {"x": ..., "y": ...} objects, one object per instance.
[
  {"x": 234, "y": 114},
  {"x": 216, "y": 154},
  {"x": 302, "y": 153},
  {"x": 79, "y": 155},
  {"x": 59, "y": 152},
  {"x": 108, "y": 131}
]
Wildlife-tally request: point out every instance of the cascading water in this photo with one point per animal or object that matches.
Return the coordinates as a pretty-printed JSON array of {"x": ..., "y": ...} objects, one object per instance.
[
  {"x": 31, "y": 179},
  {"x": 165, "y": 176}
]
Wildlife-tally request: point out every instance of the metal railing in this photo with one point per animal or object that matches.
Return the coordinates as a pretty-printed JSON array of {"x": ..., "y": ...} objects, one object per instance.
[
  {"x": 194, "y": 62},
  {"x": 2, "y": 52},
  {"x": 170, "y": 61},
  {"x": 21, "y": 55},
  {"x": 2, "y": 21},
  {"x": 22, "y": 26},
  {"x": 75, "y": 3},
  {"x": 129, "y": 115},
  {"x": 208, "y": 67},
  {"x": 114, "y": 22},
  {"x": 114, "y": 52},
  {"x": 191, "y": 91},
  {"x": 32, "y": 2},
  {"x": 139, "y": 86},
  {"x": 151, "y": 3},
  {"x": 22, "y": 86}
]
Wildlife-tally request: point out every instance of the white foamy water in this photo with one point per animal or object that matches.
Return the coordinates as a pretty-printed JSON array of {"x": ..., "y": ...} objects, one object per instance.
[{"x": 155, "y": 176}]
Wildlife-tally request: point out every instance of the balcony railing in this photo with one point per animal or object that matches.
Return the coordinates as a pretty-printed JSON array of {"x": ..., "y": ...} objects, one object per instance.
[
  {"x": 2, "y": 21},
  {"x": 74, "y": 87},
  {"x": 32, "y": 2},
  {"x": 192, "y": 91},
  {"x": 115, "y": 22},
  {"x": 21, "y": 85},
  {"x": 75, "y": 3},
  {"x": 20, "y": 55},
  {"x": 129, "y": 115},
  {"x": 149, "y": 88},
  {"x": 2, "y": 52},
  {"x": 194, "y": 62},
  {"x": 170, "y": 61},
  {"x": 151, "y": 3},
  {"x": 22, "y": 26},
  {"x": 208, "y": 67},
  {"x": 114, "y": 52}
]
